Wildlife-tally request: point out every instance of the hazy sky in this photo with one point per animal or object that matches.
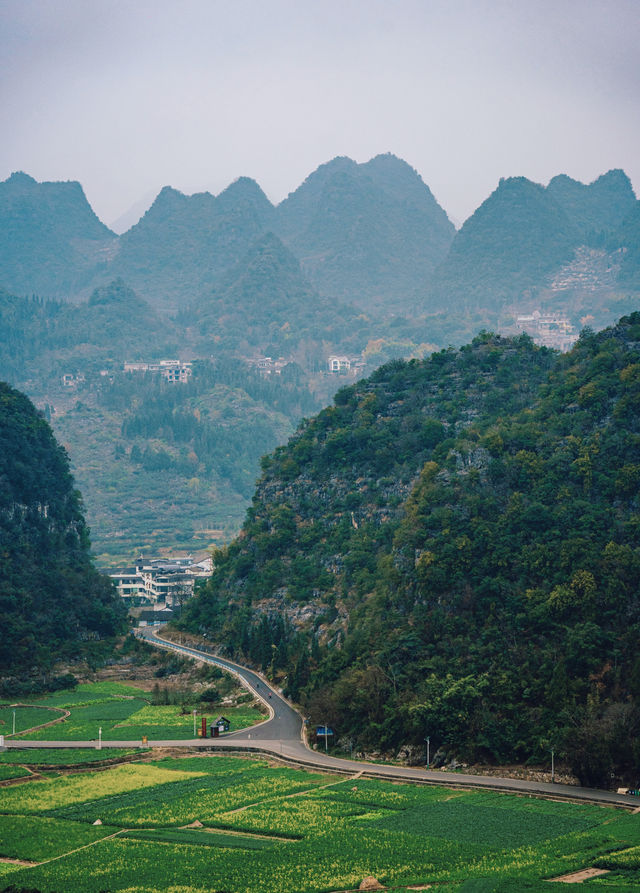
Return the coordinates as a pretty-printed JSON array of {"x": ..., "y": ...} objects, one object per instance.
[{"x": 127, "y": 96}]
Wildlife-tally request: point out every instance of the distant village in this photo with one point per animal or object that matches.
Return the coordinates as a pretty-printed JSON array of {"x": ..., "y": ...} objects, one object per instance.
[
  {"x": 155, "y": 589},
  {"x": 181, "y": 371},
  {"x": 336, "y": 365}
]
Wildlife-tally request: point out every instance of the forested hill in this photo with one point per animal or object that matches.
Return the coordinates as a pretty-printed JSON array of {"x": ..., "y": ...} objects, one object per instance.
[
  {"x": 54, "y": 604},
  {"x": 50, "y": 239},
  {"x": 452, "y": 549},
  {"x": 371, "y": 236},
  {"x": 509, "y": 250}
]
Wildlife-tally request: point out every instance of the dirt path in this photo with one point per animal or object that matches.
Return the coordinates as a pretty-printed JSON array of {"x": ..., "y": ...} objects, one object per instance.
[
  {"x": 295, "y": 794},
  {"x": 578, "y": 877},
  {"x": 23, "y": 862}
]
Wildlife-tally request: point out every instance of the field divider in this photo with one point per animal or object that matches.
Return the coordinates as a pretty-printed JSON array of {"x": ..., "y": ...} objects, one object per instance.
[
  {"x": 43, "y": 725},
  {"x": 311, "y": 790},
  {"x": 86, "y": 846}
]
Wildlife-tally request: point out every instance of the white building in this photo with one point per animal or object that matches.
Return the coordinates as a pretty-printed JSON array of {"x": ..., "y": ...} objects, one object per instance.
[
  {"x": 171, "y": 370},
  {"x": 160, "y": 581},
  {"x": 549, "y": 329},
  {"x": 339, "y": 364}
]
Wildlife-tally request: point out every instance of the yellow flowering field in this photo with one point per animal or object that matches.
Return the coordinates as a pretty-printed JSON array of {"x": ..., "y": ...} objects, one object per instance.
[{"x": 41, "y": 796}]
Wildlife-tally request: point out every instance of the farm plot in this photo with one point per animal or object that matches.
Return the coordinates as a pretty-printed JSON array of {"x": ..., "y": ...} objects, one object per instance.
[
  {"x": 169, "y": 722},
  {"x": 47, "y": 756},
  {"x": 283, "y": 830},
  {"x": 12, "y": 771},
  {"x": 205, "y": 837},
  {"x": 202, "y": 796},
  {"x": 92, "y": 691},
  {"x": 26, "y": 718},
  {"x": 36, "y": 838},
  {"x": 45, "y": 796},
  {"x": 85, "y": 720}
]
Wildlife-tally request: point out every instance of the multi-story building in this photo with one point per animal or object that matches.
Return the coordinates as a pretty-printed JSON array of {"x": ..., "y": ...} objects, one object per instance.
[
  {"x": 171, "y": 370},
  {"x": 549, "y": 329},
  {"x": 160, "y": 581}
]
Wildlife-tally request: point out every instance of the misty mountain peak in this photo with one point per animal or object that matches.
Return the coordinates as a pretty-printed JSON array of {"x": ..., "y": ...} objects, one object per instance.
[
  {"x": 243, "y": 189},
  {"x": 245, "y": 199},
  {"x": 316, "y": 181},
  {"x": 168, "y": 197},
  {"x": 600, "y": 205},
  {"x": 19, "y": 178}
]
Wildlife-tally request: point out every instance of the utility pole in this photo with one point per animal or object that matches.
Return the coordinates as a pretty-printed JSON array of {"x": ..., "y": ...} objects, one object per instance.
[
  {"x": 100, "y": 738},
  {"x": 194, "y": 722},
  {"x": 553, "y": 768},
  {"x": 427, "y": 741},
  {"x": 14, "y": 722}
]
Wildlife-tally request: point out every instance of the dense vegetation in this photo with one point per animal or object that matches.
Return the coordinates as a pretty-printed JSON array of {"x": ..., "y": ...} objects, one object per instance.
[
  {"x": 53, "y": 602},
  {"x": 44, "y": 338},
  {"x": 266, "y": 305},
  {"x": 452, "y": 549}
]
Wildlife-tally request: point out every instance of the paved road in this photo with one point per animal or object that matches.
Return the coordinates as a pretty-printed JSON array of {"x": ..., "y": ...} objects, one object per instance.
[
  {"x": 285, "y": 723},
  {"x": 282, "y": 735}
]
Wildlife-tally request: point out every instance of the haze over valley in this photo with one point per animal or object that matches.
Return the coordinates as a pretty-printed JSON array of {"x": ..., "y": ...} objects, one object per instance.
[
  {"x": 319, "y": 446},
  {"x": 359, "y": 264}
]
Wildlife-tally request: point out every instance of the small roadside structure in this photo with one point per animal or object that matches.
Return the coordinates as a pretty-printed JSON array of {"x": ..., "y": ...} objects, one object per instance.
[{"x": 221, "y": 724}]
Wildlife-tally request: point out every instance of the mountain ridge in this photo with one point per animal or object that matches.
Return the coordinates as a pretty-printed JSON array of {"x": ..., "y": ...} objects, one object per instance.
[{"x": 369, "y": 234}]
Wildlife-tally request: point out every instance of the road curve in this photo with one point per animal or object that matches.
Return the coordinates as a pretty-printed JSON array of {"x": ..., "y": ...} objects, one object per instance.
[{"x": 282, "y": 735}]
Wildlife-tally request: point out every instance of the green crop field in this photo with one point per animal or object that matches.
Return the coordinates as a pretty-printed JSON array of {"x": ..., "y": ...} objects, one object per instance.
[
  {"x": 207, "y": 823},
  {"x": 9, "y": 771},
  {"x": 123, "y": 712},
  {"x": 46, "y": 756},
  {"x": 26, "y": 718},
  {"x": 92, "y": 691}
]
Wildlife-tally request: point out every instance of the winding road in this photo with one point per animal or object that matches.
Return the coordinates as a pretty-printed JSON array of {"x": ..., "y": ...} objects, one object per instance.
[{"x": 282, "y": 735}]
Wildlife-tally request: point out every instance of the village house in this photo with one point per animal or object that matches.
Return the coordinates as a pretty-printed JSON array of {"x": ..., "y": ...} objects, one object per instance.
[
  {"x": 548, "y": 329},
  {"x": 173, "y": 371},
  {"x": 160, "y": 581},
  {"x": 266, "y": 365}
]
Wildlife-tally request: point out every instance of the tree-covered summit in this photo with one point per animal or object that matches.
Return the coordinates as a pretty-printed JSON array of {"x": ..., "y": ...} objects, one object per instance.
[
  {"x": 54, "y": 604},
  {"x": 453, "y": 549}
]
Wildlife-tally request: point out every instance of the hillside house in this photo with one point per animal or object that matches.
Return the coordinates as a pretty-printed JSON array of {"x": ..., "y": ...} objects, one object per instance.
[
  {"x": 548, "y": 329},
  {"x": 339, "y": 364},
  {"x": 173, "y": 371},
  {"x": 267, "y": 366},
  {"x": 160, "y": 581}
]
